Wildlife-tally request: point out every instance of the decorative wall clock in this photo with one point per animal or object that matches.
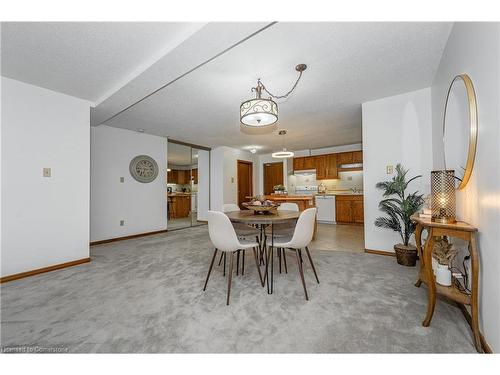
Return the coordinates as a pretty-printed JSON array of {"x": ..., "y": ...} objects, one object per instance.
[{"x": 143, "y": 168}]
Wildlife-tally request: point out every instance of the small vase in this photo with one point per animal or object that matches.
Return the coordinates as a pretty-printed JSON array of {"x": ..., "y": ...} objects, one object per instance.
[{"x": 443, "y": 275}]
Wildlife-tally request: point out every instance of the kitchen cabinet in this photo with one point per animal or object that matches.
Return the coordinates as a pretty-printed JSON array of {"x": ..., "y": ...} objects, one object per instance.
[
  {"x": 172, "y": 176},
  {"x": 328, "y": 166},
  {"x": 180, "y": 205},
  {"x": 345, "y": 158},
  {"x": 331, "y": 166},
  {"x": 349, "y": 209},
  {"x": 357, "y": 157},
  {"x": 304, "y": 162},
  {"x": 179, "y": 176},
  {"x": 320, "y": 166}
]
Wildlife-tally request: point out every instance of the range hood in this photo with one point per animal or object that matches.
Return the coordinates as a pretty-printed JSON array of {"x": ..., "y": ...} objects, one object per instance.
[{"x": 305, "y": 172}]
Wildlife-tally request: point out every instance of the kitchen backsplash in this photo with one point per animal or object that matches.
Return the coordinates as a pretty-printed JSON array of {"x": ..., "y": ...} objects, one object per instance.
[
  {"x": 177, "y": 187},
  {"x": 346, "y": 180}
]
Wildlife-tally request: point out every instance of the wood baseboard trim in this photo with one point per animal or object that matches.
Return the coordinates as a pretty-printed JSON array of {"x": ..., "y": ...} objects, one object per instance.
[
  {"x": 100, "y": 242},
  {"x": 485, "y": 346},
  {"x": 43, "y": 270},
  {"x": 380, "y": 252}
]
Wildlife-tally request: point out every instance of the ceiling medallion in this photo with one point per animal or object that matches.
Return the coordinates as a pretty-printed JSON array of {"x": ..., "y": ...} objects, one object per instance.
[
  {"x": 260, "y": 112},
  {"x": 284, "y": 153}
]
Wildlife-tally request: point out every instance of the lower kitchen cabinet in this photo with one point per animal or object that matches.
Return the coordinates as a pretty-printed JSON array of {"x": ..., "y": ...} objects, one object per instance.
[
  {"x": 349, "y": 209},
  {"x": 179, "y": 205}
]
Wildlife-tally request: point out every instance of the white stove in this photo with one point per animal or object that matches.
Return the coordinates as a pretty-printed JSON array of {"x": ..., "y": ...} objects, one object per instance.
[{"x": 306, "y": 190}]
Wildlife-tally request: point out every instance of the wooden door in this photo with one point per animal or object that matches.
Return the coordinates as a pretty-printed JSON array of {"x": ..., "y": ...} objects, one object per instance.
[
  {"x": 320, "y": 165},
  {"x": 343, "y": 212},
  {"x": 357, "y": 211},
  {"x": 331, "y": 166},
  {"x": 357, "y": 157},
  {"x": 245, "y": 181},
  {"x": 273, "y": 175}
]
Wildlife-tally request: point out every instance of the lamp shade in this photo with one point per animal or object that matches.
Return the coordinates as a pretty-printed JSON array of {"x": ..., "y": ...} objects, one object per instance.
[
  {"x": 258, "y": 112},
  {"x": 443, "y": 196}
]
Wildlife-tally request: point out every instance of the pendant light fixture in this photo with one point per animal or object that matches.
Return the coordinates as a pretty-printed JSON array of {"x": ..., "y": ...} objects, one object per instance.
[
  {"x": 284, "y": 153},
  {"x": 260, "y": 112}
]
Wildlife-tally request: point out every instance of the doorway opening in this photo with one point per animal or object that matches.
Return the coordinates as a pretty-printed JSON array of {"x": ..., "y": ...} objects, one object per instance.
[
  {"x": 245, "y": 181},
  {"x": 187, "y": 184}
]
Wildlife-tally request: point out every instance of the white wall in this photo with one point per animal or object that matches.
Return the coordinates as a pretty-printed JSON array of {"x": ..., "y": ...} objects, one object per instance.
[
  {"x": 474, "y": 48},
  {"x": 142, "y": 206},
  {"x": 396, "y": 129},
  {"x": 45, "y": 220},
  {"x": 203, "y": 184}
]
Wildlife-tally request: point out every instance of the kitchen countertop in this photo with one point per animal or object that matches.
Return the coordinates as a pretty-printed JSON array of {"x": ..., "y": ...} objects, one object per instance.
[
  {"x": 285, "y": 197},
  {"x": 179, "y": 194},
  {"x": 330, "y": 193}
]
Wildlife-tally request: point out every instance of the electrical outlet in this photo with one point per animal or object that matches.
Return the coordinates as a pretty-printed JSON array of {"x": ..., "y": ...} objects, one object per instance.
[
  {"x": 122, "y": 179},
  {"x": 122, "y": 223},
  {"x": 389, "y": 169},
  {"x": 47, "y": 172}
]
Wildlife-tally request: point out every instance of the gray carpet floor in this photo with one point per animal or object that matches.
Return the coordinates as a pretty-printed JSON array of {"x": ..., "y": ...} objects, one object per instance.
[{"x": 145, "y": 295}]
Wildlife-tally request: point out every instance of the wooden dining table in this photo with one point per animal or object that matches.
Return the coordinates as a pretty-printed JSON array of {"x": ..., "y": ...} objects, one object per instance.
[{"x": 262, "y": 221}]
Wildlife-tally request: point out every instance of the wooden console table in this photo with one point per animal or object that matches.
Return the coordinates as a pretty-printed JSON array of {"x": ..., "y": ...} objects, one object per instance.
[{"x": 465, "y": 232}]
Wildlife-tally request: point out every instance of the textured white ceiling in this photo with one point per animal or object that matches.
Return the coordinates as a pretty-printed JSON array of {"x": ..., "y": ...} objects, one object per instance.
[
  {"x": 89, "y": 60},
  {"x": 348, "y": 64}
]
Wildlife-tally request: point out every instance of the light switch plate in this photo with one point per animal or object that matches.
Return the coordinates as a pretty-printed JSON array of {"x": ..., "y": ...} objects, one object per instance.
[
  {"x": 389, "y": 169},
  {"x": 47, "y": 172}
]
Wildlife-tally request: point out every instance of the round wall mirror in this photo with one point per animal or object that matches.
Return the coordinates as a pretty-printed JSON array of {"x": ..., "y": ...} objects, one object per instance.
[{"x": 460, "y": 129}]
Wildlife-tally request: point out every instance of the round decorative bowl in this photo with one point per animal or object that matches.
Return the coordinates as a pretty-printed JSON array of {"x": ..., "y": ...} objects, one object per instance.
[{"x": 260, "y": 208}]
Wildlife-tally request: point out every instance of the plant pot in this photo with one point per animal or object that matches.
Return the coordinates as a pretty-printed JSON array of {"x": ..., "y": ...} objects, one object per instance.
[
  {"x": 406, "y": 255},
  {"x": 443, "y": 274}
]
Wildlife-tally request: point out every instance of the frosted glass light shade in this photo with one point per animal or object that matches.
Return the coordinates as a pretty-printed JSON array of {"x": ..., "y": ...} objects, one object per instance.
[
  {"x": 258, "y": 112},
  {"x": 282, "y": 154}
]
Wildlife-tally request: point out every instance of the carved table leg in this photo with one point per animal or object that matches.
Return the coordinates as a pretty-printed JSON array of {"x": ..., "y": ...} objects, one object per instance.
[
  {"x": 418, "y": 242},
  {"x": 431, "y": 283},
  {"x": 474, "y": 292}
]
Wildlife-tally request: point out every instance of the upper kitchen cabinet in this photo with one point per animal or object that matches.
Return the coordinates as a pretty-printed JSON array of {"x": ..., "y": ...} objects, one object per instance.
[
  {"x": 357, "y": 157},
  {"x": 304, "y": 163},
  {"x": 345, "y": 158},
  {"x": 326, "y": 167},
  {"x": 320, "y": 166}
]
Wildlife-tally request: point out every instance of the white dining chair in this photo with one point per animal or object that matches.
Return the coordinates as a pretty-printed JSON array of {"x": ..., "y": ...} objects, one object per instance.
[
  {"x": 283, "y": 230},
  {"x": 224, "y": 239},
  {"x": 244, "y": 232},
  {"x": 301, "y": 238}
]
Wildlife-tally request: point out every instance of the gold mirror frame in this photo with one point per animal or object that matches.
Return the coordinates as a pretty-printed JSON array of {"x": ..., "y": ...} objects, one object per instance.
[{"x": 471, "y": 96}]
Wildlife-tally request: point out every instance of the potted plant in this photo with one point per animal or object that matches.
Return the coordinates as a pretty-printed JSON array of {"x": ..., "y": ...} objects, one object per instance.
[
  {"x": 399, "y": 206},
  {"x": 279, "y": 189},
  {"x": 443, "y": 253}
]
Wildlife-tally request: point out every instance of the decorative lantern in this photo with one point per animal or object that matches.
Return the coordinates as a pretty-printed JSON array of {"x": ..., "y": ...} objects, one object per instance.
[{"x": 443, "y": 196}]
